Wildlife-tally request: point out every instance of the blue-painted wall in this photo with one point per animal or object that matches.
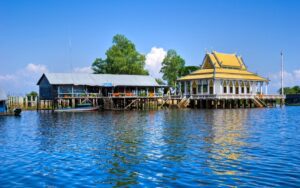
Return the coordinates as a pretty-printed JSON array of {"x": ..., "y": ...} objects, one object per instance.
[
  {"x": 2, "y": 106},
  {"x": 45, "y": 89}
]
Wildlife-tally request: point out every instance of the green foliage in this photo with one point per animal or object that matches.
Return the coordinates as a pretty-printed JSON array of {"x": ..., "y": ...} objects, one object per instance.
[
  {"x": 32, "y": 93},
  {"x": 121, "y": 58},
  {"x": 188, "y": 70},
  {"x": 160, "y": 81},
  {"x": 171, "y": 67},
  {"x": 290, "y": 90}
]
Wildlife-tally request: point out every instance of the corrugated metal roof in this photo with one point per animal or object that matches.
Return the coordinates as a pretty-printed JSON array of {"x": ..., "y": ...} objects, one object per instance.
[
  {"x": 3, "y": 95},
  {"x": 99, "y": 79}
]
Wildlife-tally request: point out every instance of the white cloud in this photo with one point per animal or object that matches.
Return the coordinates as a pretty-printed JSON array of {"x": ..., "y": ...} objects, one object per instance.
[
  {"x": 23, "y": 80},
  {"x": 36, "y": 68},
  {"x": 297, "y": 73},
  {"x": 7, "y": 77},
  {"x": 153, "y": 61},
  {"x": 83, "y": 70},
  {"x": 289, "y": 79}
]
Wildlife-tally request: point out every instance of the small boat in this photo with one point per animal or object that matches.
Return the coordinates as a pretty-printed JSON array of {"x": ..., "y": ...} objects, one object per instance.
[
  {"x": 79, "y": 109},
  {"x": 15, "y": 112}
]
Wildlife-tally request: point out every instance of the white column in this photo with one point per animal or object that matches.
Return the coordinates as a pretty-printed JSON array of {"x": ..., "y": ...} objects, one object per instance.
[
  {"x": 233, "y": 87},
  {"x": 191, "y": 87},
  {"x": 253, "y": 88},
  {"x": 185, "y": 88},
  {"x": 197, "y": 87},
  {"x": 227, "y": 87},
  {"x": 201, "y": 87},
  {"x": 266, "y": 88},
  {"x": 208, "y": 86},
  {"x": 261, "y": 88},
  {"x": 221, "y": 87},
  {"x": 214, "y": 86},
  {"x": 179, "y": 88}
]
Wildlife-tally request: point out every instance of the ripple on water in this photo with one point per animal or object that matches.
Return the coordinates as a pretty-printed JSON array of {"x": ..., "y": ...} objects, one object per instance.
[{"x": 175, "y": 148}]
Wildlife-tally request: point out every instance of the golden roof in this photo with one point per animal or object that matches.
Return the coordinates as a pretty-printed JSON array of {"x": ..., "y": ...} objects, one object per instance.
[
  {"x": 227, "y": 60},
  {"x": 223, "y": 66}
]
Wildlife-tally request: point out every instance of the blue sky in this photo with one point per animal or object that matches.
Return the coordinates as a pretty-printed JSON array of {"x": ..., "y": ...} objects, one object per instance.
[{"x": 35, "y": 36}]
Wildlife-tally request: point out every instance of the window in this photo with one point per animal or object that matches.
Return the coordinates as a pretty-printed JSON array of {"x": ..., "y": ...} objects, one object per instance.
[
  {"x": 182, "y": 87},
  {"x": 242, "y": 89},
  {"x": 224, "y": 89},
  {"x": 211, "y": 90},
  {"x": 199, "y": 88},
  {"x": 237, "y": 90},
  {"x": 231, "y": 89},
  {"x": 205, "y": 88},
  {"x": 188, "y": 87},
  {"x": 248, "y": 89}
]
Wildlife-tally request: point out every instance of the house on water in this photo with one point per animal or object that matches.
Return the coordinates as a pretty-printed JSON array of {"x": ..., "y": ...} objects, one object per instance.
[
  {"x": 3, "y": 99},
  {"x": 76, "y": 88},
  {"x": 223, "y": 80}
]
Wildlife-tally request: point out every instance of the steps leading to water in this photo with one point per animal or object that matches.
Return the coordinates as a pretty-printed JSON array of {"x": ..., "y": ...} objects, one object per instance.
[
  {"x": 184, "y": 102},
  {"x": 259, "y": 103}
]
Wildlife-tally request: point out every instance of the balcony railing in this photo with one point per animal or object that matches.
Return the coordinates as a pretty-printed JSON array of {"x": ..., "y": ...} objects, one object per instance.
[
  {"x": 79, "y": 95},
  {"x": 118, "y": 94},
  {"x": 234, "y": 96}
]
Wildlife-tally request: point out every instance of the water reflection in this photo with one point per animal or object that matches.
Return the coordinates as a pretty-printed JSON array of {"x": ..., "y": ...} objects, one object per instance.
[
  {"x": 170, "y": 148},
  {"x": 125, "y": 145},
  {"x": 226, "y": 139}
]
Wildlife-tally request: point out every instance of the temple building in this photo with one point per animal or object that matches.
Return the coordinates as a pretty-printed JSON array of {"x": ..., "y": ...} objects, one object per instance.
[
  {"x": 223, "y": 74},
  {"x": 224, "y": 80}
]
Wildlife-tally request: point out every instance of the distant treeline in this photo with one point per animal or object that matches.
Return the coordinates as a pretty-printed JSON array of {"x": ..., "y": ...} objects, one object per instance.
[
  {"x": 123, "y": 58},
  {"x": 290, "y": 90}
]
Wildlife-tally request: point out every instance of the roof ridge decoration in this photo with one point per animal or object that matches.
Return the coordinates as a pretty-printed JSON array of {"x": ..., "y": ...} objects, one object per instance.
[
  {"x": 240, "y": 60},
  {"x": 223, "y": 66},
  {"x": 214, "y": 54},
  {"x": 226, "y": 60}
]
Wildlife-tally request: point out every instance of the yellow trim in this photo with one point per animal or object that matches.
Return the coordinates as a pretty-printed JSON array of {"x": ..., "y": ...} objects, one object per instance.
[{"x": 223, "y": 66}]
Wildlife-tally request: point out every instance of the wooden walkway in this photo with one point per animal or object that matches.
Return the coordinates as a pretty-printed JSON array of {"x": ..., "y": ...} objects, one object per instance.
[{"x": 175, "y": 101}]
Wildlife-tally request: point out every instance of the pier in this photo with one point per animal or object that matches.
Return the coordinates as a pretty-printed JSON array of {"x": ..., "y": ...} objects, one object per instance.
[{"x": 123, "y": 102}]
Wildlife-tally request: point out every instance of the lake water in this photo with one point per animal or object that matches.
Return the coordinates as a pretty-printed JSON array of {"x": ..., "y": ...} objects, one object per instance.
[{"x": 168, "y": 148}]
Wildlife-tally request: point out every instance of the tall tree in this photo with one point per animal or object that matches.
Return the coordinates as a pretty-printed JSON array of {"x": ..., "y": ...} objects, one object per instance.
[
  {"x": 121, "y": 58},
  {"x": 188, "y": 70},
  {"x": 171, "y": 67}
]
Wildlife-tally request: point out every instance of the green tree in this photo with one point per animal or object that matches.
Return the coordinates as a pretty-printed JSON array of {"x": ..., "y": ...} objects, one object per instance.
[
  {"x": 121, "y": 58},
  {"x": 290, "y": 90},
  {"x": 172, "y": 66},
  {"x": 32, "y": 94},
  {"x": 160, "y": 81},
  {"x": 188, "y": 70}
]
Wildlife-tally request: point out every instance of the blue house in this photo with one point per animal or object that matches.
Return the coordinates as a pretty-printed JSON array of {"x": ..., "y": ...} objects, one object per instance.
[{"x": 3, "y": 99}]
